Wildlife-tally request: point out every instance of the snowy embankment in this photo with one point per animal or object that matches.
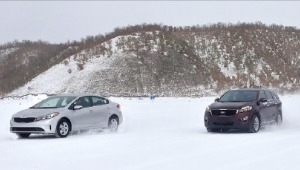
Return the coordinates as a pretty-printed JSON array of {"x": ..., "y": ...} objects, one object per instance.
[{"x": 166, "y": 134}]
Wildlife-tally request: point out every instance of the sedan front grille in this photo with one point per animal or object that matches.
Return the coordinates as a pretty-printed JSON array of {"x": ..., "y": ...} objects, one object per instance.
[
  {"x": 224, "y": 112},
  {"x": 27, "y": 129},
  {"x": 24, "y": 120}
]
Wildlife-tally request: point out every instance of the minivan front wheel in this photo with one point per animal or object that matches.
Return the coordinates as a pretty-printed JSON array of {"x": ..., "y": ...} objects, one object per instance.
[
  {"x": 62, "y": 129},
  {"x": 255, "y": 124},
  {"x": 213, "y": 129}
]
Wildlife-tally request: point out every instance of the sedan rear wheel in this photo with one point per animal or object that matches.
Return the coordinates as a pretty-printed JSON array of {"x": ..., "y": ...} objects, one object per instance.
[
  {"x": 23, "y": 135},
  {"x": 113, "y": 124},
  {"x": 255, "y": 126},
  {"x": 62, "y": 128}
]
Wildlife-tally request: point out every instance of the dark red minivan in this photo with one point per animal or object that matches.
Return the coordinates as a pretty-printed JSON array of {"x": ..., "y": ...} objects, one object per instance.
[{"x": 246, "y": 109}]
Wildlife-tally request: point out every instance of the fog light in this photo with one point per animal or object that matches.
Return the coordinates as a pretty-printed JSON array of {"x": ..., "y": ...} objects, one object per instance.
[
  {"x": 245, "y": 118},
  {"x": 205, "y": 118}
]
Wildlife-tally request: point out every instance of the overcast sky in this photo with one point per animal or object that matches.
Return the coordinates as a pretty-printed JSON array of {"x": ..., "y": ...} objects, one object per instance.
[{"x": 60, "y": 21}]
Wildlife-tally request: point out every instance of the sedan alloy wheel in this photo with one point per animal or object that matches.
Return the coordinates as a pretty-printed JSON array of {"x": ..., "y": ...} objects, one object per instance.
[
  {"x": 113, "y": 124},
  {"x": 62, "y": 129}
]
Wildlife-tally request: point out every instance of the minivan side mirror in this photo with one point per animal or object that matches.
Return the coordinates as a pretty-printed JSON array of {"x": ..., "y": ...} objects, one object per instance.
[
  {"x": 262, "y": 100},
  {"x": 217, "y": 99}
]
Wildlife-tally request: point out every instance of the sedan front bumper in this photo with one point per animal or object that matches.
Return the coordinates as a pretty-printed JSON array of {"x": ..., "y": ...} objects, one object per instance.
[{"x": 43, "y": 126}]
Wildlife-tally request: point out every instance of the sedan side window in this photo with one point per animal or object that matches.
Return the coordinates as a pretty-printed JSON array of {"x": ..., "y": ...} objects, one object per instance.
[
  {"x": 83, "y": 101},
  {"x": 99, "y": 101}
]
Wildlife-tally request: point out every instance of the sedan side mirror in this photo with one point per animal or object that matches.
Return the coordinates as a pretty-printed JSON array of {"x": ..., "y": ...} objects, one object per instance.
[
  {"x": 78, "y": 107},
  {"x": 217, "y": 99}
]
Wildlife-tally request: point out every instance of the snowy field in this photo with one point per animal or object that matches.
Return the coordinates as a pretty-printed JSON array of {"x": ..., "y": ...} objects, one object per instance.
[{"x": 164, "y": 134}]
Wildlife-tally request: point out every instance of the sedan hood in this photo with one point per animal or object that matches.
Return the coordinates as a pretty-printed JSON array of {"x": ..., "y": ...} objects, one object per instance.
[
  {"x": 36, "y": 112},
  {"x": 229, "y": 105}
]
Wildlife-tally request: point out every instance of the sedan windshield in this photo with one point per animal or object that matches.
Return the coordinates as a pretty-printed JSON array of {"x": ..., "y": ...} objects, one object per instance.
[
  {"x": 54, "y": 102},
  {"x": 239, "y": 96}
]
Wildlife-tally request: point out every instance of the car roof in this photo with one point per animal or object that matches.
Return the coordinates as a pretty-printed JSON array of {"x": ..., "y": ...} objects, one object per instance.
[
  {"x": 250, "y": 89},
  {"x": 76, "y": 94}
]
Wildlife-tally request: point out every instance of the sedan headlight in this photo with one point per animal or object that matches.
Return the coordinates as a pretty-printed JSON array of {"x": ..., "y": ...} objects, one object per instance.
[
  {"x": 245, "y": 109},
  {"x": 49, "y": 116}
]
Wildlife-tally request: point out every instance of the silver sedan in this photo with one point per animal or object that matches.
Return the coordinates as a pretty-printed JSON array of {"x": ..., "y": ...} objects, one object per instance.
[{"x": 61, "y": 114}]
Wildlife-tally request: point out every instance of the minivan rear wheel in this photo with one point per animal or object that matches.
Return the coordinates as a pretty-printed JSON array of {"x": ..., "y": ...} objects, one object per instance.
[
  {"x": 255, "y": 125},
  {"x": 278, "y": 119}
]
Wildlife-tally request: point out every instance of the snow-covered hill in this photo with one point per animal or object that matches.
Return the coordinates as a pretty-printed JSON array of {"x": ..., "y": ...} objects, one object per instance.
[
  {"x": 167, "y": 133},
  {"x": 160, "y": 60},
  {"x": 66, "y": 78}
]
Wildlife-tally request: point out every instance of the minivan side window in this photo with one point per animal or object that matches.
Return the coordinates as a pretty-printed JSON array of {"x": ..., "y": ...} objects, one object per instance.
[
  {"x": 262, "y": 95},
  {"x": 275, "y": 95},
  {"x": 269, "y": 95}
]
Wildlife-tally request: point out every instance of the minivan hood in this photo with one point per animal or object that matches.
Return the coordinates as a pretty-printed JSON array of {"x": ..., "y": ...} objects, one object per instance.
[
  {"x": 36, "y": 112},
  {"x": 229, "y": 105}
]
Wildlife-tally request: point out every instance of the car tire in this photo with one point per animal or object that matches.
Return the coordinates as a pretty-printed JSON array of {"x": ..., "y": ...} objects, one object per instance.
[
  {"x": 225, "y": 130},
  {"x": 63, "y": 128},
  {"x": 113, "y": 123},
  {"x": 209, "y": 129},
  {"x": 23, "y": 135},
  {"x": 255, "y": 124},
  {"x": 213, "y": 130},
  {"x": 278, "y": 119}
]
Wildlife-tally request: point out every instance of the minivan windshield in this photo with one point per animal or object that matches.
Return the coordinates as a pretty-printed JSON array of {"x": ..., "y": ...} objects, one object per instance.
[
  {"x": 54, "y": 102},
  {"x": 239, "y": 96}
]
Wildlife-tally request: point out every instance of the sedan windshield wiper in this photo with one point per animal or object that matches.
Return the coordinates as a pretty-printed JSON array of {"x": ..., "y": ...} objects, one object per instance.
[{"x": 43, "y": 107}]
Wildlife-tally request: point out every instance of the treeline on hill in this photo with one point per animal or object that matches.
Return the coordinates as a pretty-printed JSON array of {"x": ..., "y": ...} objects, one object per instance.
[{"x": 242, "y": 44}]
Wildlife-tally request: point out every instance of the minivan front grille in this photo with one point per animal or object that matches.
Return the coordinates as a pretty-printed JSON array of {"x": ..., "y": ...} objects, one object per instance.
[
  {"x": 229, "y": 112},
  {"x": 223, "y": 123},
  {"x": 24, "y": 120}
]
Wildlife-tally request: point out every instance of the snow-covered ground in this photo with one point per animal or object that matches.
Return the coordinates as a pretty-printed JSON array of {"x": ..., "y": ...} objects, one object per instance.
[{"x": 166, "y": 134}]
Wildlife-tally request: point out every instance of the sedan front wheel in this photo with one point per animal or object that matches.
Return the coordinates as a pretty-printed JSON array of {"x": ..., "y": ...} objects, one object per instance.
[
  {"x": 63, "y": 128},
  {"x": 23, "y": 135}
]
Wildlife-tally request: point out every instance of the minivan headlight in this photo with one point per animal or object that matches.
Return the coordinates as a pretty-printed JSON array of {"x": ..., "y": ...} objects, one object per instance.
[
  {"x": 207, "y": 109},
  {"x": 245, "y": 109},
  {"x": 48, "y": 116}
]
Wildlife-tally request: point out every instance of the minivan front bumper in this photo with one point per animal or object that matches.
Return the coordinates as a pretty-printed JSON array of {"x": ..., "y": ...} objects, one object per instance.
[{"x": 238, "y": 121}]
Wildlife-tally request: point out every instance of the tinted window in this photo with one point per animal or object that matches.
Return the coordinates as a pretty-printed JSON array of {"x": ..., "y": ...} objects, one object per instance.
[
  {"x": 269, "y": 95},
  {"x": 239, "y": 96},
  {"x": 83, "y": 101},
  {"x": 99, "y": 101},
  {"x": 275, "y": 95},
  {"x": 262, "y": 95}
]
